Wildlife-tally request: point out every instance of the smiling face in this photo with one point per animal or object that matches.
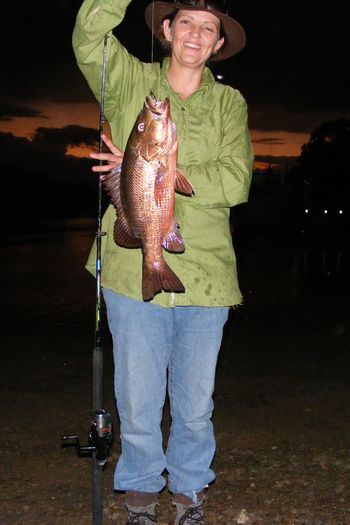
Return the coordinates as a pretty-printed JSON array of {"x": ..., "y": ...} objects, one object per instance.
[{"x": 194, "y": 36}]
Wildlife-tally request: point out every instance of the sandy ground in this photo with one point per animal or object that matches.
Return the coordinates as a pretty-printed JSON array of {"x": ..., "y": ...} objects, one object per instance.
[{"x": 282, "y": 410}]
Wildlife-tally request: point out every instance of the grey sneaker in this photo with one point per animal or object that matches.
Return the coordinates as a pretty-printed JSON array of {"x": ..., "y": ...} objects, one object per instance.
[
  {"x": 141, "y": 515},
  {"x": 189, "y": 514}
]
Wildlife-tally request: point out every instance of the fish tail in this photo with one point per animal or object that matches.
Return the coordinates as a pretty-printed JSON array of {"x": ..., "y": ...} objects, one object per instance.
[{"x": 154, "y": 280}]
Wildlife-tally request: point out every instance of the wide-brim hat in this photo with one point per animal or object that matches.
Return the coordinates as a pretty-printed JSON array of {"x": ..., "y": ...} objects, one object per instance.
[{"x": 235, "y": 39}]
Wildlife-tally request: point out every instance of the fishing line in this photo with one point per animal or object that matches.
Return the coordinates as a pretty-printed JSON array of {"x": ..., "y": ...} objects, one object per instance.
[{"x": 152, "y": 35}]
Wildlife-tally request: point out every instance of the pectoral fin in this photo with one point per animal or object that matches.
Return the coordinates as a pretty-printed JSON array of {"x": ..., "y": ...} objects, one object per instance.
[{"x": 182, "y": 184}]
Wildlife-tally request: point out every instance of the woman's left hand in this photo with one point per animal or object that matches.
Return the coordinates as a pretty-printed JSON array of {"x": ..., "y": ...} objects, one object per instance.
[{"x": 112, "y": 159}]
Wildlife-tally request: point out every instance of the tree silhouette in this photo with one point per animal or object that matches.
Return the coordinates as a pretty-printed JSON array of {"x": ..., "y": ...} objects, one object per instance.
[{"x": 324, "y": 167}]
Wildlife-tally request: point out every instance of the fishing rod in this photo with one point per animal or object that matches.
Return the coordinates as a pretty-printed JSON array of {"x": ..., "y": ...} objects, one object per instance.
[{"x": 100, "y": 435}]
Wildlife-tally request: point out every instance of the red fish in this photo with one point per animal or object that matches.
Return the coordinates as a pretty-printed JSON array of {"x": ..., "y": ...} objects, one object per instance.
[{"x": 143, "y": 193}]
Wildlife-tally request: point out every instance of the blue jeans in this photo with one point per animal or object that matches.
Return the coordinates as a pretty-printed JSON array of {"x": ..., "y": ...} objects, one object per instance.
[{"x": 148, "y": 341}]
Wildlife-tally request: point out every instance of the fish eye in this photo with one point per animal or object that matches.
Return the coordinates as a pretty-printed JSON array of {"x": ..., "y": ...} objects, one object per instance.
[{"x": 141, "y": 126}]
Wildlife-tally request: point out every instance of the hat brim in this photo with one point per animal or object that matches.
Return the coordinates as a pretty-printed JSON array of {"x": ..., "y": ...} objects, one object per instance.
[{"x": 235, "y": 38}]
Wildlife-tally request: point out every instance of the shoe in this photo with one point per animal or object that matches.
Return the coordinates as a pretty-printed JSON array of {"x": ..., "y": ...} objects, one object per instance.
[
  {"x": 189, "y": 514},
  {"x": 141, "y": 515}
]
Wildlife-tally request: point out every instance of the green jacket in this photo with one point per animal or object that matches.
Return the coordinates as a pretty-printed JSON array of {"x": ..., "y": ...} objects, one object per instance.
[{"x": 214, "y": 153}]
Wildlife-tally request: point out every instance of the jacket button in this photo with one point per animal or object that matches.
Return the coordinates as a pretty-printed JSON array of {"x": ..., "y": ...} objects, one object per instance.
[{"x": 183, "y": 109}]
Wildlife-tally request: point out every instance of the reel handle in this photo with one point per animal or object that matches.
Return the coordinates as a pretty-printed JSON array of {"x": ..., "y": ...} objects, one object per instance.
[{"x": 100, "y": 438}]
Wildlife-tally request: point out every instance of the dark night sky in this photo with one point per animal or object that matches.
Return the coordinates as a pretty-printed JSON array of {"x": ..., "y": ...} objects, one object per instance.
[{"x": 294, "y": 71}]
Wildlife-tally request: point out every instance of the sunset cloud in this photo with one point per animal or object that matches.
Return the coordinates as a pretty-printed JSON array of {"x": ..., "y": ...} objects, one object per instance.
[
  {"x": 72, "y": 135},
  {"x": 270, "y": 140},
  {"x": 9, "y": 112},
  {"x": 274, "y": 118}
]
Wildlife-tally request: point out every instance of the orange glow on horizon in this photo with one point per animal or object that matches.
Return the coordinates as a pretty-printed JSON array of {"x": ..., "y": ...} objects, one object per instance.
[
  {"x": 79, "y": 151},
  {"x": 278, "y": 143},
  {"x": 263, "y": 166},
  {"x": 267, "y": 144},
  {"x": 54, "y": 115}
]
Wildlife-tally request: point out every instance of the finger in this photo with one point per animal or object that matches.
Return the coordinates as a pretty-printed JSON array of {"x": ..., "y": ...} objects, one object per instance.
[
  {"x": 99, "y": 156},
  {"x": 109, "y": 157},
  {"x": 118, "y": 152},
  {"x": 103, "y": 168}
]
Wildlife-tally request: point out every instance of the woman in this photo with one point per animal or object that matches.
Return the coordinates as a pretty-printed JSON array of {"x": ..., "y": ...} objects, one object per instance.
[{"x": 175, "y": 334}]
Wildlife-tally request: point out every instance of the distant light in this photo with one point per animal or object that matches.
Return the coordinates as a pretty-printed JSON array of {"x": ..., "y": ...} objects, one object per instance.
[
  {"x": 220, "y": 77},
  {"x": 325, "y": 212},
  {"x": 306, "y": 211},
  {"x": 340, "y": 212}
]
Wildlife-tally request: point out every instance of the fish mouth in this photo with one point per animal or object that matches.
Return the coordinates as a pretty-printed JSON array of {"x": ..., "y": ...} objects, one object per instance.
[{"x": 159, "y": 108}]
